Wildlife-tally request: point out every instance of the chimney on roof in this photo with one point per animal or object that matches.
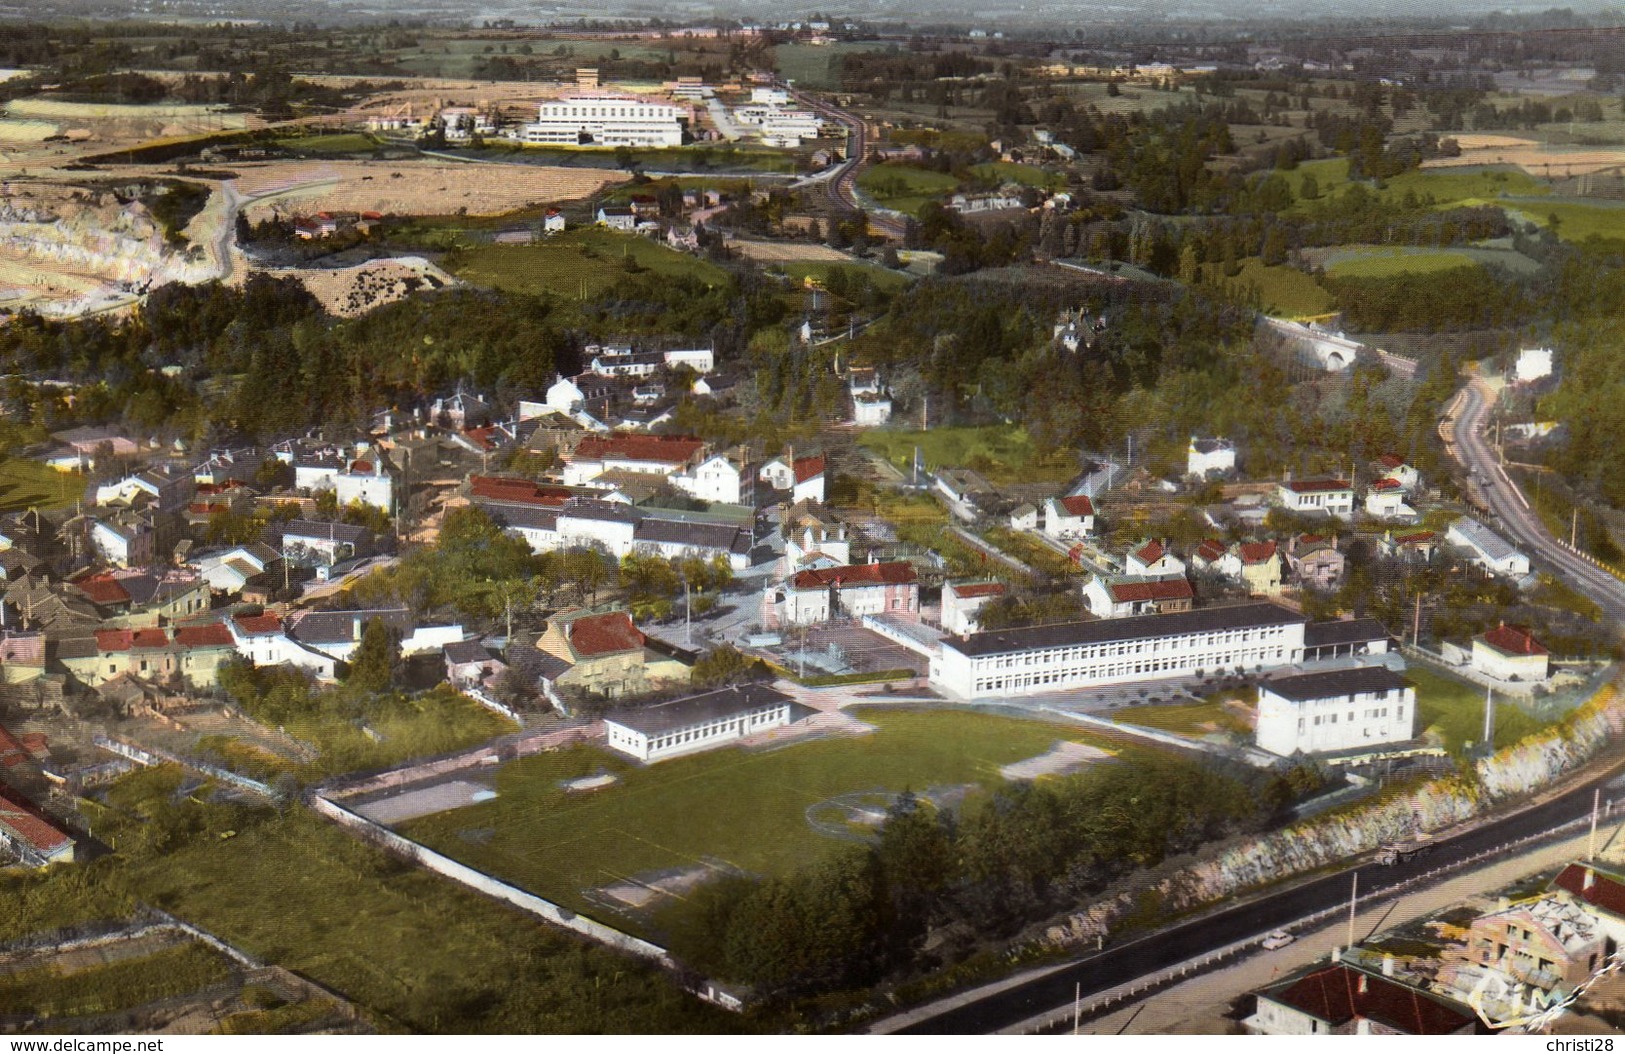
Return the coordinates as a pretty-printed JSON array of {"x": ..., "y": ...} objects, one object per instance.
[
  {"x": 1362, "y": 987},
  {"x": 1590, "y": 880},
  {"x": 1387, "y": 966},
  {"x": 1337, "y": 954}
]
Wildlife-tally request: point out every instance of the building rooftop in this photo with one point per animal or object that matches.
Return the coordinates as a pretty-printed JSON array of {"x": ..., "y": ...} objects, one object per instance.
[
  {"x": 1513, "y": 640},
  {"x": 1133, "y": 591},
  {"x": 969, "y": 590},
  {"x": 603, "y": 634},
  {"x": 1341, "y": 993},
  {"x": 623, "y": 447},
  {"x": 30, "y": 824},
  {"x": 331, "y": 627},
  {"x": 1077, "y": 505},
  {"x": 1343, "y": 631},
  {"x": 699, "y": 709},
  {"x": 896, "y": 573},
  {"x": 1332, "y": 683},
  {"x": 1136, "y": 627},
  {"x": 1315, "y": 486},
  {"x": 1594, "y": 887},
  {"x": 460, "y": 652},
  {"x": 1477, "y": 536}
]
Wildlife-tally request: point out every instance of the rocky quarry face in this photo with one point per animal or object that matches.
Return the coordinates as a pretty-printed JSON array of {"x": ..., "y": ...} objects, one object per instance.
[{"x": 64, "y": 250}]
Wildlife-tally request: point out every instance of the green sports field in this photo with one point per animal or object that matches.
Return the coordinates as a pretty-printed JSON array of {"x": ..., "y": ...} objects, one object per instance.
[
  {"x": 750, "y": 810},
  {"x": 587, "y": 261}
]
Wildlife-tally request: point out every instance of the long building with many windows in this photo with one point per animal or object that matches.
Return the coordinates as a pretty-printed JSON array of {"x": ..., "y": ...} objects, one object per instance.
[
  {"x": 604, "y": 119},
  {"x": 1039, "y": 659}
]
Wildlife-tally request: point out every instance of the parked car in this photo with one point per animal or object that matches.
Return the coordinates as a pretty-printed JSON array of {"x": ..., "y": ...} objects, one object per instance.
[{"x": 1278, "y": 939}]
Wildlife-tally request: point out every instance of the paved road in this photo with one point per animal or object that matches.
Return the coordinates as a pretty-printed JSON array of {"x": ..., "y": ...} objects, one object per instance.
[
  {"x": 841, "y": 186},
  {"x": 1112, "y": 967},
  {"x": 1469, "y": 413}
]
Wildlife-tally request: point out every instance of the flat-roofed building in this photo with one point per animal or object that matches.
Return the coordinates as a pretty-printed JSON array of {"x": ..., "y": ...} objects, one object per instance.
[
  {"x": 604, "y": 119},
  {"x": 1073, "y": 655},
  {"x": 697, "y": 722},
  {"x": 1335, "y": 710}
]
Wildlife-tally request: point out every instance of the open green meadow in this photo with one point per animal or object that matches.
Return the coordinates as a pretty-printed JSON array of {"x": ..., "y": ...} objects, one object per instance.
[
  {"x": 26, "y": 484},
  {"x": 47, "y": 991},
  {"x": 1388, "y": 262},
  {"x": 1026, "y": 175},
  {"x": 1455, "y": 709},
  {"x": 750, "y": 810},
  {"x": 587, "y": 260},
  {"x": 1186, "y": 719},
  {"x": 338, "y": 143},
  {"x": 1577, "y": 220},
  {"x": 1449, "y": 187},
  {"x": 1283, "y": 291},
  {"x": 905, "y": 188},
  {"x": 815, "y": 65},
  {"x": 1003, "y": 454}
]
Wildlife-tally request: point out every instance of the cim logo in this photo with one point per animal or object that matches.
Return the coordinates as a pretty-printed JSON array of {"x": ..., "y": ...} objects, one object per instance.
[{"x": 1532, "y": 1009}]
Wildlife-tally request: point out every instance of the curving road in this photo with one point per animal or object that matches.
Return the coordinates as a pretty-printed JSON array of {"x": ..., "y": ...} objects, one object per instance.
[
  {"x": 1464, "y": 429},
  {"x": 842, "y": 184},
  {"x": 1115, "y": 965}
]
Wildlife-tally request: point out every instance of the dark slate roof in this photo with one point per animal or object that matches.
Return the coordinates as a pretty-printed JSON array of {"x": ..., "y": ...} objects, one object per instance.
[
  {"x": 551, "y": 667},
  {"x": 344, "y": 532},
  {"x": 466, "y": 651},
  {"x": 1343, "y": 631},
  {"x": 1137, "y": 627},
  {"x": 1334, "y": 683},
  {"x": 590, "y": 509},
  {"x": 698, "y": 709},
  {"x": 531, "y": 516},
  {"x": 724, "y": 536},
  {"x": 328, "y": 627}
]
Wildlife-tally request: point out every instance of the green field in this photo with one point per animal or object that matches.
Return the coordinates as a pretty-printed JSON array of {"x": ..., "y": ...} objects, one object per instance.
[
  {"x": 1186, "y": 719},
  {"x": 1003, "y": 454},
  {"x": 1449, "y": 186},
  {"x": 905, "y": 188},
  {"x": 338, "y": 143},
  {"x": 1386, "y": 263},
  {"x": 744, "y": 809},
  {"x": 1026, "y": 175},
  {"x": 114, "y": 986},
  {"x": 25, "y": 483},
  {"x": 1283, "y": 291},
  {"x": 1577, "y": 220},
  {"x": 1455, "y": 709},
  {"x": 814, "y": 65},
  {"x": 587, "y": 260},
  {"x": 883, "y": 277}
]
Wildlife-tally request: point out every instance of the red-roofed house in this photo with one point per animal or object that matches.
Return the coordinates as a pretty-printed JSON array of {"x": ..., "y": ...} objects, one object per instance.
[
  {"x": 626, "y": 452},
  {"x": 1316, "y": 561},
  {"x": 102, "y": 589},
  {"x": 1600, "y": 892},
  {"x": 1256, "y": 565},
  {"x": 1344, "y": 1000},
  {"x": 1153, "y": 559},
  {"x": 1334, "y": 497},
  {"x": 1119, "y": 598},
  {"x": 193, "y": 654},
  {"x": 809, "y": 485},
  {"x": 1510, "y": 653},
  {"x": 37, "y": 840},
  {"x": 602, "y": 654},
  {"x": 1069, "y": 517},
  {"x": 518, "y": 491},
  {"x": 821, "y": 594},
  {"x": 962, "y": 601},
  {"x": 1207, "y": 555},
  {"x": 1385, "y": 500}
]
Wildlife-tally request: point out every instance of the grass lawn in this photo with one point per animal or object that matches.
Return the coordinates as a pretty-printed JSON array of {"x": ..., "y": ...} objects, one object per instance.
[
  {"x": 1026, "y": 175},
  {"x": 437, "y": 722},
  {"x": 1386, "y": 263},
  {"x": 1477, "y": 185},
  {"x": 905, "y": 188},
  {"x": 1186, "y": 719},
  {"x": 743, "y": 808},
  {"x": 815, "y": 65},
  {"x": 1003, "y": 454},
  {"x": 1284, "y": 291},
  {"x": 884, "y": 278},
  {"x": 338, "y": 143},
  {"x": 1455, "y": 709},
  {"x": 25, "y": 483},
  {"x": 590, "y": 258},
  {"x": 110, "y": 987},
  {"x": 1577, "y": 221}
]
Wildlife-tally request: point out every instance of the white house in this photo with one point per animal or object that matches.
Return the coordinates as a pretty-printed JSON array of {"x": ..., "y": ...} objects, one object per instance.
[
  {"x": 1336, "y": 710},
  {"x": 1486, "y": 548},
  {"x": 697, "y": 722},
  {"x": 1385, "y": 500},
  {"x": 804, "y": 479},
  {"x": 262, "y": 640},
  {"x": 1024, "y": 518},
  {"x": 818, "y": 595},
  {"x": 125, "y": 540},
  {"x": 1397, "y": 468},
  {"x": 657, "y": 455},
  {"x": 1533, "y": 364},
  {"x": 1510, "y": 653},
  {"x": 1069, "y": 517},
  {"x": 553, "y": 222},
  {"x": 963, "y": 601},
  {"x": 1344, "y": 1000},
  {"x": 617, "y": 218},
  {"x": 1154, "y": 560},
  {"x": 715, "y": 479},
  {"x": 700, "y": 360},
  {"x": 1206, "y": 458},
  {"x": 313, "y": 474},
  {"x": 565, "y": 395},
  {"x": 229, "y": 570},
  {"x": 1122, "y": 597},
  {"x": 365, "y": 480},
  {"x": 319, "y": 544},
  {"x": 1335, "y": 497}
]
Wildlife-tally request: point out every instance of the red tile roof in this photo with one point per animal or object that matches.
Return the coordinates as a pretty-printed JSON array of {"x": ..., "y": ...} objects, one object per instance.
[
  {"x": 1338, "y": 994},
  {"x": 979, "y": 589},
  {"x": 1210, "y": 550},
  {"x": 1606, "y": 892},
  {"x": 1315, "y": 486},
  {"x": 519, "y": 491},
  {"x": 361, "y": 465},
  {"x": 1139, "y": 592},
  {"x": 1414, "y": 539},
  {"x": 130, "y": 639},
  {"x": 1391, "y": 460},
  {"x": 1078, "y": 505},
  {"x": 1150, "y": 552},
  {"x": 1513, "y": 640},
  {"x": 1257, "y": 552},
  {"x": 215, "y": 634},
  {"x": 101, "y": 589},
  {"x": 626, "y": 447},
  {"x": 12, "y": 751},
  {"x": 1387, "y": 484},
  {"x": 893, "y": 574},
  {"x": 22, "y": 816},
  {"x": 604, "y": 634},
  {"x": 257, "y": 625},
  {"x": 809, "y": 468},
  {"x": 481, "y": 437}
]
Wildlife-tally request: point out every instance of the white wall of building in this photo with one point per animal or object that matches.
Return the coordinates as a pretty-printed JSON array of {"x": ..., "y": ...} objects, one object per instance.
[{"x": 1335, "y": 723}]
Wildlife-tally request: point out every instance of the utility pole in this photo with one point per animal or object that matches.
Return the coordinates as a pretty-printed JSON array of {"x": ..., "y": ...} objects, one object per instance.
[
  {"x": 1591, "y": 842},
  {"x": 1354, "y": 900},
  {"x": 1416, "y": 623},
  {"x": 688, "y": 615},
  {"x": 1574, "y": 526},
  {"x": 1489, "y": 718}
]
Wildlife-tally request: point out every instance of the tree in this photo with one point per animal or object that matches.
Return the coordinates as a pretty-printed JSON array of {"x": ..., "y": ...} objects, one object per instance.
[
  {"x": 724, "y": 665},
  {"x": 376, "y": 664}
]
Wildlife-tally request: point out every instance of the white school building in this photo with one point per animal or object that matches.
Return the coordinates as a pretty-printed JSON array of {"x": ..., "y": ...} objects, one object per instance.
[
  {"x": 698, "y": 721},
  {"x": 1318, "y": 713}
]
